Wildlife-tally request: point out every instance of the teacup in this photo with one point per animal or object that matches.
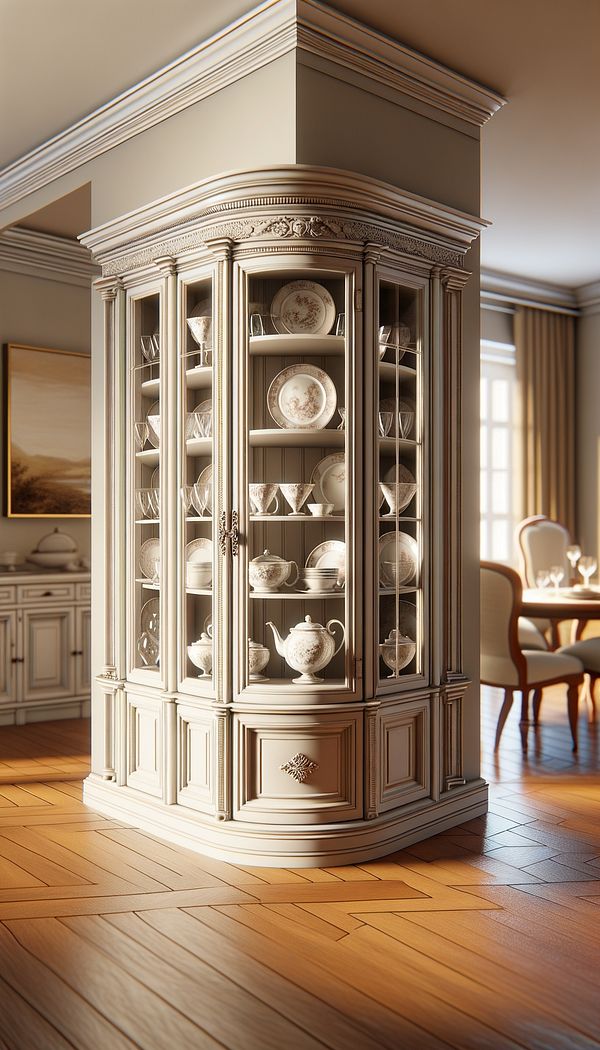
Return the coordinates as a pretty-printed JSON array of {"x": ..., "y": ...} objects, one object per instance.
[
  {"x": 320, "y": 510},
  {"x": 262, "y": 495},
  {"x": 296, "y": 495}
]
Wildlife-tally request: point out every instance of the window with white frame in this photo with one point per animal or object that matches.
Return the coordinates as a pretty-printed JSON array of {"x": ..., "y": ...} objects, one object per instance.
[{"x": 499, "y": 500}]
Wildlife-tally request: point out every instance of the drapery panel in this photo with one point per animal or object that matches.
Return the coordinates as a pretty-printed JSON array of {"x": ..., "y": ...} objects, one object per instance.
[{"x": 545, "y": 352}]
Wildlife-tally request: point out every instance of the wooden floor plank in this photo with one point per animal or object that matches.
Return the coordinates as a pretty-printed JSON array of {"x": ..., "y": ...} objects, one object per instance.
[
  {"x": 22, "y": 1026},
  {"x": 55, "y": 1000},
  {"x": 214, "y": 1003},
  {"x": 142, "y": 1016}
]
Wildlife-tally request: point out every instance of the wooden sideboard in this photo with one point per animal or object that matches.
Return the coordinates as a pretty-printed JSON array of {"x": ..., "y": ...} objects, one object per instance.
[{"x": 44, "y": 646}]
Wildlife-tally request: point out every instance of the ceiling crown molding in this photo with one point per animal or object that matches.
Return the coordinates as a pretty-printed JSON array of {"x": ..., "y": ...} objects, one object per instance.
[
  {"x": 270, "y": 31},
  {"x": 48, "y": 257},
  {"x": 508, "y": 288},
  {"x": 588, "y": 298}
]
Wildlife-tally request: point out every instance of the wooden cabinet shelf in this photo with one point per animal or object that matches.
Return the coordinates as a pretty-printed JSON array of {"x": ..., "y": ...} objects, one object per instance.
[{"x": 297, "y": 345}]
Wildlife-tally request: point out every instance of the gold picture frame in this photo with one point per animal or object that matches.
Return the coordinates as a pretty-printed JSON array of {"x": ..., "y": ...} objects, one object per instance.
[{"x": 47, "y": 432}]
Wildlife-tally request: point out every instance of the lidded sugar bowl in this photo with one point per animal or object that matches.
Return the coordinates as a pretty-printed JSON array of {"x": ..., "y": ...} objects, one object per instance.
[{"x": 268, "y": 571}]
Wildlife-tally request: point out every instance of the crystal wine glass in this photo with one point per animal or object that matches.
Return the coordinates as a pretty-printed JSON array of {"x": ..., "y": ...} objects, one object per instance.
[
  {"x": 573, "y": 554},
  {"x": 587, "y": 567},
  {"x": 542, "y": 579},
  {"x": 557, "y": 574}
]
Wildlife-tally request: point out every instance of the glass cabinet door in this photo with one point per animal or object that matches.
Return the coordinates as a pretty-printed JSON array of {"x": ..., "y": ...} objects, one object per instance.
[
  {"x": 197, "y": 487},
  {"x": 297, "y": 484},
  {"x": 144, "y": 502},
  {"x": 400, "y": 496}
]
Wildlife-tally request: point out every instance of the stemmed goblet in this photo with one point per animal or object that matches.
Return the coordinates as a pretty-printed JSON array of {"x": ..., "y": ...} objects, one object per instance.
[
  {"x": 587, "y": 567},
  {"x": 573, "y": 554},
  {"x": 542, "y": 579},
  {"x": 557, "y": 574}
]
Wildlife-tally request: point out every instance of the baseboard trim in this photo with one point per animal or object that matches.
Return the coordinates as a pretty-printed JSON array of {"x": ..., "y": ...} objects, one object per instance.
[{"x": 285, "y": 846}]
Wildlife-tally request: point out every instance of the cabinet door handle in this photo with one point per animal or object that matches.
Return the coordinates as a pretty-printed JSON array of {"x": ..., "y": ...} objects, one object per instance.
[
  {"x": 76, "y": 652},
  {"x": 227, "y": 535},
  {"x": 18, "y": 660},
  {"x": 47, "y": 594}
]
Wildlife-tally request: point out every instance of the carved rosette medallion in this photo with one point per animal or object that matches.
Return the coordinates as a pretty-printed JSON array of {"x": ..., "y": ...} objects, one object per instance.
[{"x": 300, "y": 767}]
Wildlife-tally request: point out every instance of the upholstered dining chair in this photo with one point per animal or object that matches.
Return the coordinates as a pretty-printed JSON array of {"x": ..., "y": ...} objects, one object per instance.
[
  {"x": 542, "y": 544},
  {"x": 505, "y": 665}
]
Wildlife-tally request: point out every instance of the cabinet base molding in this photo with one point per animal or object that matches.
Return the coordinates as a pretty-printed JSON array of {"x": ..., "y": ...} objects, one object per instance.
[
  {"x": 280, "y": 845},
  {"x": 44, "y": 711}
]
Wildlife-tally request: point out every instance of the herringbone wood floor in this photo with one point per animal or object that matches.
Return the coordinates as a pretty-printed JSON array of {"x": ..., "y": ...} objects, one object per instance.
[{"x": 485, "y": 937}]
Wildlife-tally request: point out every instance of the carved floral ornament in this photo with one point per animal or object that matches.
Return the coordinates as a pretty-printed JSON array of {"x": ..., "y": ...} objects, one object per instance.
[
  {"x": 287, "y": 228},
  {"x": 299, "y": 767}
]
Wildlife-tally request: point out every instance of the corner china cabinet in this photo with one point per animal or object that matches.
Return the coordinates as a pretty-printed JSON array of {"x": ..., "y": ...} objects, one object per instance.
[{"x": 283, "y": 679}]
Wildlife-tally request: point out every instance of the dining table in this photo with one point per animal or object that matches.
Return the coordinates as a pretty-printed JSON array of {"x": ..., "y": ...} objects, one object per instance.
[{"x": 557, "y": 604}]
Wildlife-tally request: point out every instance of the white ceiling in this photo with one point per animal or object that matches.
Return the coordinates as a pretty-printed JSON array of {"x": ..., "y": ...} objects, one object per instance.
[{"x": 541, "y": 153}]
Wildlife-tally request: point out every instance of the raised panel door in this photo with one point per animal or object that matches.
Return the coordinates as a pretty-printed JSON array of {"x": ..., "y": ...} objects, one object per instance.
[
  {"x": 144, "y": 745},
  {"x": 8, "y": 693},
  {"x": 47, "y": 650}
]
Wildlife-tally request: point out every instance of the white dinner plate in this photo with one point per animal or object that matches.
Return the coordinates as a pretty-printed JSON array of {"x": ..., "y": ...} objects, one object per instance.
[
  {"x": 206, "y": 478},
  {"x": 199, "y": 550},
  {"x": 302, "y": 308},
  {"x": 148, "y": 556},
  {"x": 406, "y": 554},
  {"x": 303, "y": 397},
  {"x": 155, "y": 478},
  {"x": 329, "y": 477},
  {"x": 331, "y": 554}
]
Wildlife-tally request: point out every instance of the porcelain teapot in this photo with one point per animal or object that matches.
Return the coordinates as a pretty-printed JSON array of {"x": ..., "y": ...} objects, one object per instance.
[
  {"x": 308, "y": 648},
  {"x": 201, "y": 652},
  {"x": 268, "y": 571}
]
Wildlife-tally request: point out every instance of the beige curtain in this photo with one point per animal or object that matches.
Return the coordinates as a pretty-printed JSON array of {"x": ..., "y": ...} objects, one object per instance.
[{"x": 545, "y": 351}]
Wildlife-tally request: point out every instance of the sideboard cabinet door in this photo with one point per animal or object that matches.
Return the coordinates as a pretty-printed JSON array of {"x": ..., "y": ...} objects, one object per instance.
[
  {"x": 7, "y": 653},
  {"x": 48, "y": 644}
]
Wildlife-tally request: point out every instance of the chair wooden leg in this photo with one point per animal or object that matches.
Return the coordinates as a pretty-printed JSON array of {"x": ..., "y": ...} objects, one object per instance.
[
  {"x": 537, "y": 703},
  {"x": 554, "y": 635},
  {"x": 573, "y": 709},
  {"x": 506, "y": 706},
  {"x": 593, "y": 680},
  {"x": 580, "y": 626}
]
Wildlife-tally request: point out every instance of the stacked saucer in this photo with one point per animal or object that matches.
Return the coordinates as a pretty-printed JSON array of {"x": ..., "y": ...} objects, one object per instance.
[{"x": 321, "y": 578}]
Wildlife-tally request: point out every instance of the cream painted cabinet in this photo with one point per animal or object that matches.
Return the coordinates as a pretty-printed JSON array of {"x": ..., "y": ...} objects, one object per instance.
[
  {"x": 283, "y": 675},
  {"x": 8, "y": 650},
  {"x": 45, "y": 665}
]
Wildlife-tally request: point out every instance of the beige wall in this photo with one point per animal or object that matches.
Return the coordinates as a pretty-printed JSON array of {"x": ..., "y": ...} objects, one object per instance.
[
  {"x": 588, "y": 432},
  {"x": 497, "y": 326},
  {"x": 48, "y": 314}
]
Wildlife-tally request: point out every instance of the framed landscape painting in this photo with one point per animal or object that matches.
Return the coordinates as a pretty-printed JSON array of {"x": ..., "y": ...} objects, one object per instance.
[{"x": 47, "y": 433}]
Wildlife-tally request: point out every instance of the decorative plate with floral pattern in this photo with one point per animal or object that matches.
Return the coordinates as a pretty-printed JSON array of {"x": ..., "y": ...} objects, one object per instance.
[
  {"x": 303, "y": 308},
  {"x": 302, "y": 397}
]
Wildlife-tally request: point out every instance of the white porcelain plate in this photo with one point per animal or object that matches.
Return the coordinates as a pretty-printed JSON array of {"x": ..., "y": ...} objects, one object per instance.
[
  {"x": 302, "y": 397},
  {"x": 328, "y": 555},
  {"x": 155, "y": 478},
  {"x": 154, "y": 410},
  {"x": 303, "y": 308},
  {"x": 405, "y": 554},
  {"x": 148, "y": 557},
  {"x": 329, "y": 477},
  {"x": 199, "y": 550},
  {"x": 206, "y": 478},
  {"x": 150, "y": 617}
]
